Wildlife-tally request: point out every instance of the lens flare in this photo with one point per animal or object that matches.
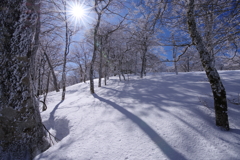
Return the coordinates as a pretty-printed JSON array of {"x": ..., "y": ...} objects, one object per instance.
[{"x": 79, "y": 14}]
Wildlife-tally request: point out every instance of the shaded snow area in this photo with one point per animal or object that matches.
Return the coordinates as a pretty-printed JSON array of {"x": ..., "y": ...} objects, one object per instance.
[{"x": 162, "y": 116}]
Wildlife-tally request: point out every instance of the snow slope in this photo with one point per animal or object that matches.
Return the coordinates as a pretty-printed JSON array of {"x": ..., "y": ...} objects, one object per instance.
[{"x": 159, "y": 117}]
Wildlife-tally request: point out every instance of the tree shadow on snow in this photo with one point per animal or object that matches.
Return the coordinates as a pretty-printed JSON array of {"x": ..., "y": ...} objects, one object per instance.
[
  {"x": 61, "y": 126},
  {"x": 160, "y": 142},
  {"x": 236, "y": 131}
]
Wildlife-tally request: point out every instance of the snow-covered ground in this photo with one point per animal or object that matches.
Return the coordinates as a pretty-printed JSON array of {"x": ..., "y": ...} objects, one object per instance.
[{"x": 162, "y": 116}]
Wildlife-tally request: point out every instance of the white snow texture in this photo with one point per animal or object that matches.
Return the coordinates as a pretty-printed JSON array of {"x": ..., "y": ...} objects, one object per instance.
[{"x": 162, "y": 116}]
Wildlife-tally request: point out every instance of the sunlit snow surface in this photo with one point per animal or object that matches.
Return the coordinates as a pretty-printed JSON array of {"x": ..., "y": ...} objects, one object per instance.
[{"x": 155, "y": 118}]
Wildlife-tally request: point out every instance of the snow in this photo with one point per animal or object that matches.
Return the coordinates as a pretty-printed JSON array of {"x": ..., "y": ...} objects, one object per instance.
[{"x": 159, "y": 117}]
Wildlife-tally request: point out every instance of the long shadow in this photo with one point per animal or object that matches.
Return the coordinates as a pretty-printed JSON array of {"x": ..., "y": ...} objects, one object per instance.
[
  {"x": 160, "y": 142},
  {"x": 54, "y": 110},
  {"x": 237, "y": 131},
  {"x": 61, "y": 126}
]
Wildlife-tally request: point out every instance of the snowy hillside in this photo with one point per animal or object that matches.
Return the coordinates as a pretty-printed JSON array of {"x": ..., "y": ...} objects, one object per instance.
[{"x": 163, "y": 116}]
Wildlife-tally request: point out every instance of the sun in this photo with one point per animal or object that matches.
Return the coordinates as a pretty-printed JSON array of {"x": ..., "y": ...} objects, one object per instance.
[{"x": 78, "y": 13}]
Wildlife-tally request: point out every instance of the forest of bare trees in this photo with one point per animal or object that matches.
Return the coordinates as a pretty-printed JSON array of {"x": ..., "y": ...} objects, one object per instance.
[
  {"x": 43, "y": 49},
  {"x": 140, "y": 37}
]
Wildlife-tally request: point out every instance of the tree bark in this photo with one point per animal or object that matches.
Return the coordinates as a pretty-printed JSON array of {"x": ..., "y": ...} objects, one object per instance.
[
  {"x": 81, "y": 73},
  {"x": 94, "y": 49},
  {"x": 100, "y": 64},
  {"x": 39, "y": 87},
  {"x": 99, "y": 13},
  {"x": 120, "y": 69},
  {"x": 175, "y": 55},
  {"x": 46, "y": 92},
  {"x": 106, "y": 68},
  {"x": 123, "y": 76},
  {"x": 21, "y": 130},
  {"x": 218, "y": 90},
  {"x": 85, "y": 69},
  {"x": 143, "y": 69},
  {"x": 66, "y": 51}
]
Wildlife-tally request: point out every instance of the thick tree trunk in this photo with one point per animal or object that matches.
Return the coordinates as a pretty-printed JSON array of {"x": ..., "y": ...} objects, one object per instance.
[
  {"x": 218, "y": 90},
  {"x": 21, "y": 130},
  {"x": 52, "y": 71}
]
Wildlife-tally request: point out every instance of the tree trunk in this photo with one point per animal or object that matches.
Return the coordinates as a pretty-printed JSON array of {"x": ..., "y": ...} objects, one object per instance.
[
  {"x": 119, "y": 75},
  {"x": 42, "y": 77},
  {"x": 85, "y": 75},
  {"x": 85, "y": 69},
  {"x": 218, "y": 90},
  {"x": 120, "y": 68},
  {"x": 66, "y": 51},
  {"x": 175, "y": 55},
  {"x": 143, "y": 70},
  {"x": 188, "y": 64},
  {"x": 81, "y": 73},
  {"x": 39, "y": 88},
  {"x": 22, "y": 134},
  {"x": 123, "y": 76},
  {"x": 91, "y": 79},
  {"x": 94, "y": 52},
  {"x": 100, "y": 64},
  {"x": 52, "y": 71},
  {"x": 105, "y": 79},
  {"x": 145, "y": 67},
  {"x": 106, "y": 69},
  {"x": 136, "y": 63},
  {"x": 46, "y": 92},
  {"x": 175, "y": 66}
]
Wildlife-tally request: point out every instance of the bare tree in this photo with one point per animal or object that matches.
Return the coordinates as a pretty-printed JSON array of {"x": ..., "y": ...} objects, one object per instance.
[
  {"x": 190, "y": 61},
  {"x": 81, "y": 56},
  {"x": 218, "y": 90},
  {"x": 61, "y": 17},
  {"x": 52, "y": 71},
  {"x": 105, "y": 32},
  {"x": 211, "y": 27},
  {"x": 99, "y": 6},
  {"x": 145, "y": 31},
  {"x": 67, "y": 40},
  {"x": 45, "y": 50}
]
